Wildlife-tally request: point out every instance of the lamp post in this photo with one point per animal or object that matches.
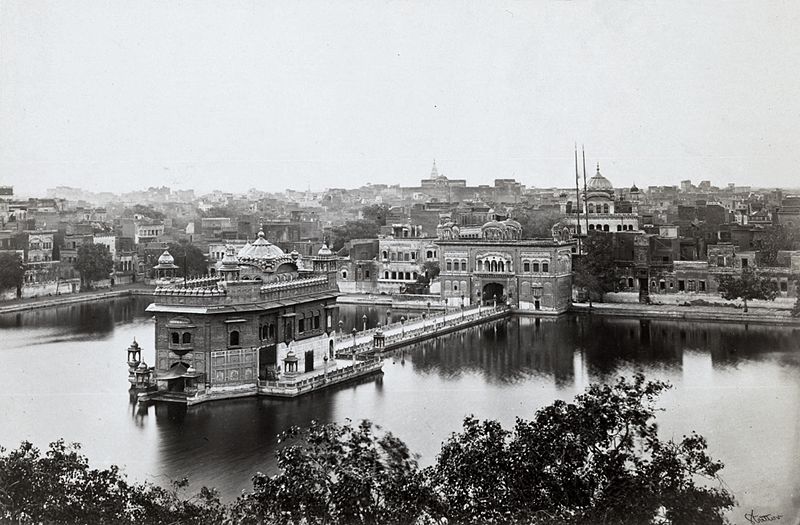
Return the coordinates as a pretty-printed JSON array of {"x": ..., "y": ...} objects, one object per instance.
[
  {"x": 388, "y": 315},
  {"x": 424, "y": 327},
  {"x": 495, "y": 300},
  {"x": 354, "y": 344},
  {"x": 462, "y": 306},
  {"x": 364, "y": 318},
  {"x": 325, "y": 367},
  {"x": 341, "y": 332},
  {"x": 403, "y": 326}
]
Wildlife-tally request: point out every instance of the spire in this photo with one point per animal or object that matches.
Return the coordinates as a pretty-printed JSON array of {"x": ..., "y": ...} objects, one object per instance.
[
  {"x": 598, "y": 168},
  {"x": 434, "y": 171}
]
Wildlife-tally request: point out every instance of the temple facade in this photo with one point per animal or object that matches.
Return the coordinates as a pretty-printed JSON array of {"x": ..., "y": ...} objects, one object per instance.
[
  {"x": 266, "y": 316},
  {"x": 492, "y": 264}
]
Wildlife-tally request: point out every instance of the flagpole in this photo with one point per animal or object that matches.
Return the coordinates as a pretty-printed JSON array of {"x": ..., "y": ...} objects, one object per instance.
[{"x": 578, "y": 204}]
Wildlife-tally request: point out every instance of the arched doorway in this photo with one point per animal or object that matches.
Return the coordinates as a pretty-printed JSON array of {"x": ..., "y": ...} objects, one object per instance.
[{"x": 490, "y": 291}]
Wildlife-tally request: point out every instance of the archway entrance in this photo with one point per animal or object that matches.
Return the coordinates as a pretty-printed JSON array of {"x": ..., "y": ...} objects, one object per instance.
[{"x": 492, "y": 290}]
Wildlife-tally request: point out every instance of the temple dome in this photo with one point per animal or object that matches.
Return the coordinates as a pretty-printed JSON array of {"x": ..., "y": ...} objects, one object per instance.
[
  {"x": 166, "y": 258},
  {"x": 260, "y": 249},
  {"x": 325, "y": 251},
  {"x": 599, "y": 183}
]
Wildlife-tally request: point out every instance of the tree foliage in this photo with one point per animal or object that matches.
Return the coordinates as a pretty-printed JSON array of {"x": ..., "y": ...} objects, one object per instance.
[
  {"x": 12, "y": 271},
  {"x": 774, "y": 239},
  {"x": 338, "y": 474},
  {"x": 360, "y": 229},
  {"x": 60, "y": 487},
  {"x": 376, "y": 213},
  {"x": 536, "y": 222},
  {"x": 195, "y": 263},
  {"x": 597, "y": 459},
  {"x": 94, "y": 263},
  {"x": 145, "y": 211},
  {"x": 747, "y": 286},
  {"x": 595, "y": 271}
]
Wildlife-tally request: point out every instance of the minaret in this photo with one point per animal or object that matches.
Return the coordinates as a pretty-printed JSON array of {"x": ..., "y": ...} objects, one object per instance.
[{"x": 434, "y": 171}]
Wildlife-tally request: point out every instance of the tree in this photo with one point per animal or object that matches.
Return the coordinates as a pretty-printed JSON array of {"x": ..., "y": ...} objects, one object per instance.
[
  {"x": 774, "y": 239},
  {"x": 596, "y": 460},
  {"x": 338, "y": 474},
  {"x": 595, "y": 270},
  {"x": 195, "y": 262},
  {"x": 360, "y": 229},
  {"x": 94, "y": 263},
  {"x": 12, "y": 272},
  {"x": 431, "y": 269},
  {"x": 376, "y": 213},
  {"x": 536, "y": 222},
  {"x": 60, "y": 487},
  {"x": 747, "y": 286},
  {"x": 145, "y": 211}
]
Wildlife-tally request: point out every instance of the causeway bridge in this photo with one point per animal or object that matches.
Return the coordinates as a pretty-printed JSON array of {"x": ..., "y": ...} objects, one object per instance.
[{"x": 361, "y": 343}]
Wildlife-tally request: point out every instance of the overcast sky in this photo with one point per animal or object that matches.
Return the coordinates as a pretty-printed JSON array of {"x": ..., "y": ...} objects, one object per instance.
[{"x": 121, "y": 95}]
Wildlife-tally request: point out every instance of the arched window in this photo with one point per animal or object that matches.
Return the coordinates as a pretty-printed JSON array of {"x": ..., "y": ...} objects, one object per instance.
[
  {"x": 591, "y": 226},
  {"x": 493, "y": 266},
  {"x": 187, "y": 338},
  {"x": 414, "y": 275},
  {"x": 449, "y": 265},
  {"x": 386, "y": 275},
  {"x": 526, "y": 266},
  {"x": 233, "y": 339},
  {"x": 385, "y": 254},
  {"x": 605, "y": 208},
  {"x": 271, "y": 330},
  {"x": 463, "y": 266},
  {"x": 591, "y": 207},
  {"x": 619, "y": 228},
  {"x": 429, "y": 254},
  {"x": 605, "y": 227},
  {"x": 176, "y": 338},
  {"x": 344, "y": 274},
  {"x": 545, "y": 267}
]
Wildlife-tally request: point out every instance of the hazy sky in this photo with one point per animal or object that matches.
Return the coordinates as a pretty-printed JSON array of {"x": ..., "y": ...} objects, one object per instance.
[{"x": 120, "y": 95}]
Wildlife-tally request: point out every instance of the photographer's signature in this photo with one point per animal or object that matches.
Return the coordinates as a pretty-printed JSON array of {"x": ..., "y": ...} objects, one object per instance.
[{"x": 752, "y": 517}]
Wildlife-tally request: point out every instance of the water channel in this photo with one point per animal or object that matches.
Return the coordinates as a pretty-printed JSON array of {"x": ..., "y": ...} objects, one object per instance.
[{"x": 63, "y": 375}]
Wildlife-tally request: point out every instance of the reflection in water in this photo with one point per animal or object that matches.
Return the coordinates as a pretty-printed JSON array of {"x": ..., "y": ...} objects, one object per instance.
[{"x": 65, "y": 376}]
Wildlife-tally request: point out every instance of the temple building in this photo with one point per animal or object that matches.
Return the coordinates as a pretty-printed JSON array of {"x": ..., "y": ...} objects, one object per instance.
[
  {"x": 265, "y": 317},
  {"x": 600, "y": 210},
  {"x": 492, "y": 264}
]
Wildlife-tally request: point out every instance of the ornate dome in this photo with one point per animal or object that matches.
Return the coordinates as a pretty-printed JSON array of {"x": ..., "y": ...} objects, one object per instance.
[
  {"x": 260, "y": 249},
  {"x": 324, "y": 251},
  {"x": 634, "y": 189},
  {"x": 599, "y": 183},
  {"x": 166, "y": 258},
  {"x": 230, "y": 258}
]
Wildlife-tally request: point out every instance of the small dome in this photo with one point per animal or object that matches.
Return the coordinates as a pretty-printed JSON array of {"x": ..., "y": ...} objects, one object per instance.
[
  {"x": 634, "y": 189},
  {"x": 599, "y": 183},
  {"x": 142, "y": 366},
  {"x": 191, "y": 370},
  {"x": 166, "y": 258},
  {"x": 230, "y": 258},
  {"x": 325, "y": 251}
]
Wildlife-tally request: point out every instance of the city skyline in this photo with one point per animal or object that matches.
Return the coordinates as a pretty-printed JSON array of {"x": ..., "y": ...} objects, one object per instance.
[{"x": 116, "y": 97}]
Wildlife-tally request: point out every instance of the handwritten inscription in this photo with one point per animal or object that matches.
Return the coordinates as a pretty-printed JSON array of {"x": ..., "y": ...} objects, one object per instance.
[{"x": 752, "y": 517}]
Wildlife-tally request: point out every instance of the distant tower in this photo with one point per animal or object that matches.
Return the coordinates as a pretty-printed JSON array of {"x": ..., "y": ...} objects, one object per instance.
[{"x": 434, "y": 171}]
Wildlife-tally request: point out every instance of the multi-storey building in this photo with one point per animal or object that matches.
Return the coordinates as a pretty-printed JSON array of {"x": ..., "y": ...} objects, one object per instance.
[
  {"x": 265, "y": 315},
  {"x": 491, "y": 263}
]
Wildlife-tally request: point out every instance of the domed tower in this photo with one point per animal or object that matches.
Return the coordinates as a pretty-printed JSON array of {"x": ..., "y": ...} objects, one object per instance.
[
  {"x": 229, "y": 270},
  {"x": 325, "y": 261},
  {"x": 599, "y": 196},
  {"x": 166, "y": 268}
]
